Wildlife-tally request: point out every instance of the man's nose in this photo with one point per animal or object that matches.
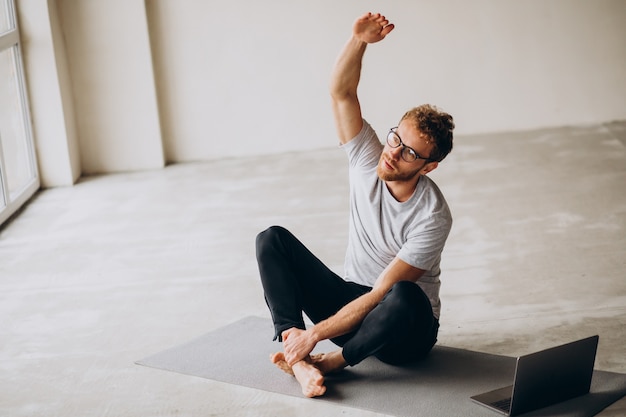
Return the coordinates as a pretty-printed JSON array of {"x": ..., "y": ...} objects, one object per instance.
[{"x": 396, "y": 152}]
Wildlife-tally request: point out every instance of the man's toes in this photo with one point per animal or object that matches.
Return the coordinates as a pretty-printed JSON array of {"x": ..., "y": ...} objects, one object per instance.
[
  {"x": 277, "y": 357},
  {"x": 317, "y": 357},
  {"x": 314, "y": 390}
]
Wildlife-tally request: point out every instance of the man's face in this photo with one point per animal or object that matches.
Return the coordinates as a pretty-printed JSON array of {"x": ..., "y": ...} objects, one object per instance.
[{"x": 391, "y": 165}]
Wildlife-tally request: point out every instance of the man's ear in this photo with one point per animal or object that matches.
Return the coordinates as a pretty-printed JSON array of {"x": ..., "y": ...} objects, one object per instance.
[{"x": 429, "y": 167}]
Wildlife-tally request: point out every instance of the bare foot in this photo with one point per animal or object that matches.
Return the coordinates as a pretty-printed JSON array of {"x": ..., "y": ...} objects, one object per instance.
[
  {"x": 310, "y": 378},
  {"x": 310, "y": 372},
  {"x": 278, "y": 359},
  {"x": 329, "y": 362},
  {"x": 307, "y": 374}
]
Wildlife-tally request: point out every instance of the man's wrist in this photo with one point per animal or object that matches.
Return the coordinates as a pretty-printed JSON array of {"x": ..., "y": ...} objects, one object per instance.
[
  {"x": 315, "y": 334},
  {"x": 358, "y": 42}
]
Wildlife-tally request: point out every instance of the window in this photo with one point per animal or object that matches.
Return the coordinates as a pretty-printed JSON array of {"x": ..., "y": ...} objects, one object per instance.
[{"x": 18, "y": 171}]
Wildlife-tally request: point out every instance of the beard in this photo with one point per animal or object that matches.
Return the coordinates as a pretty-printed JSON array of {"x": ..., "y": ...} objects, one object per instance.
[{"x": 395, "y": 175}]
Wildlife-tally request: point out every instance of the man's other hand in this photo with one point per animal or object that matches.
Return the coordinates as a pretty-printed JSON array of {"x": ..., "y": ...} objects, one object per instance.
[
  {"x": 297, "y": 344},
  {"x": 371, "y": 28}
]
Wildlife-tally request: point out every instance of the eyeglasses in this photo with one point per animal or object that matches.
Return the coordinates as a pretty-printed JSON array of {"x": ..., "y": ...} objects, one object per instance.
[{"x": 407, "y": 153}]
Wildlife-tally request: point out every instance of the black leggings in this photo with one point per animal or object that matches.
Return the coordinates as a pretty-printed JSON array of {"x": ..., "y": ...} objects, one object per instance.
[{"x": 400, "y": 329}]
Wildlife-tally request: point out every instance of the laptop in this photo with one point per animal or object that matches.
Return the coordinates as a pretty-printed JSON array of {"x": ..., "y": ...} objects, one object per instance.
[{"x": 545, "y": 378}]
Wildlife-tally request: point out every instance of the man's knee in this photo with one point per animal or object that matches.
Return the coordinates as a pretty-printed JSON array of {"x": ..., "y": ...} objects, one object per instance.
[
  {"x": 268, "y": 238},
  {"x": 403, "y": 292},
  {"x": 406, "y": 296}
]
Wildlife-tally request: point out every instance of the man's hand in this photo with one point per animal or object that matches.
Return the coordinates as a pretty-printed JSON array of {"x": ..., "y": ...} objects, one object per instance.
[
  {"x": 297, "y": 344},
  {"x": 371, "y": 28}
]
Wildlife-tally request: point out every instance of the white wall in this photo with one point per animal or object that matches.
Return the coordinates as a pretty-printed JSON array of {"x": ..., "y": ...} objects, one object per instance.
[
  {"x": 52, "y": 106},
  {"x": 246, "y": 77},
  {"x": 113, "y": 85}
]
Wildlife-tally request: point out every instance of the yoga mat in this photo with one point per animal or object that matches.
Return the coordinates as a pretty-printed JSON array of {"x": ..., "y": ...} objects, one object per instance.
[{"x": 440, "y": 385}]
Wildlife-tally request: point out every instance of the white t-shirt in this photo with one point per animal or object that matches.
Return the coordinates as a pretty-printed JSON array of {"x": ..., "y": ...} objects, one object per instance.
[{"x": 382, "y": 228}]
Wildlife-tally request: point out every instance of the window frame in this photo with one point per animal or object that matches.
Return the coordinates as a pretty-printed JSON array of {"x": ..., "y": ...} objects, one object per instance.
[{"x": 9, "y": 204}]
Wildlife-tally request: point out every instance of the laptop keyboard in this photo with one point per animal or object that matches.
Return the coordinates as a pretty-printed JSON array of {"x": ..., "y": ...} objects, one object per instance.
[{"x": 504, "y": 405}]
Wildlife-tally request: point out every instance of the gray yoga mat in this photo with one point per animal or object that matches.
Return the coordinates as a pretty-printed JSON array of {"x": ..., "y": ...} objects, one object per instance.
[{"x": 440, "y": 385}]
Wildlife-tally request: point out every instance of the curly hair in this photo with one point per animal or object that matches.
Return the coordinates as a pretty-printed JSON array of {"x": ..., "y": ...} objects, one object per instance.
[{"x": 436, "y": 125}]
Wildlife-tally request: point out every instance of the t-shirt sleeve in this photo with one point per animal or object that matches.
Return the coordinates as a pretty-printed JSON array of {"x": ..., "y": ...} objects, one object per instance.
[
  {"x": 425, "y": 243},
  {"x": 364, "y": 149}
]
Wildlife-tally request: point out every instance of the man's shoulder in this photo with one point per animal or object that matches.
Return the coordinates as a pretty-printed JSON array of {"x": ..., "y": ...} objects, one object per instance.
[
  {"x": 431, "y": 198},
  {"x": 365, "y": 148},
  {"x": 428, "y": 185},
  {"x": 366, "y": 132}
]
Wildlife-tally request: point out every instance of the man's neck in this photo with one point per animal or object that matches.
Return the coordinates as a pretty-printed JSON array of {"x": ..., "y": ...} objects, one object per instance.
[{"x": 402, "y": 190}]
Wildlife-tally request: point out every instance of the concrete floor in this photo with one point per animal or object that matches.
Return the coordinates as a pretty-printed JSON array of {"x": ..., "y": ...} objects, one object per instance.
[{"x": 116, "y": 268}]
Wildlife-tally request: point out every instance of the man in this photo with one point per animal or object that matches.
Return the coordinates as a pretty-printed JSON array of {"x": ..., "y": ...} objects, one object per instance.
[{"x": 387, "y": 305}]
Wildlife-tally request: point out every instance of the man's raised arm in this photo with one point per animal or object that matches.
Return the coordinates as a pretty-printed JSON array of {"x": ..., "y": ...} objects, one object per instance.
[{"x": 369, "y": 28}]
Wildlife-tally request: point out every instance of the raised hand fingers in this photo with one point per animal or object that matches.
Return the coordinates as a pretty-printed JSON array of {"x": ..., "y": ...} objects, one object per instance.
[
  {"x": 372, "y": 27},
  {"x": 388, "y": 28},
  {"x": 378, "y": 19}
]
